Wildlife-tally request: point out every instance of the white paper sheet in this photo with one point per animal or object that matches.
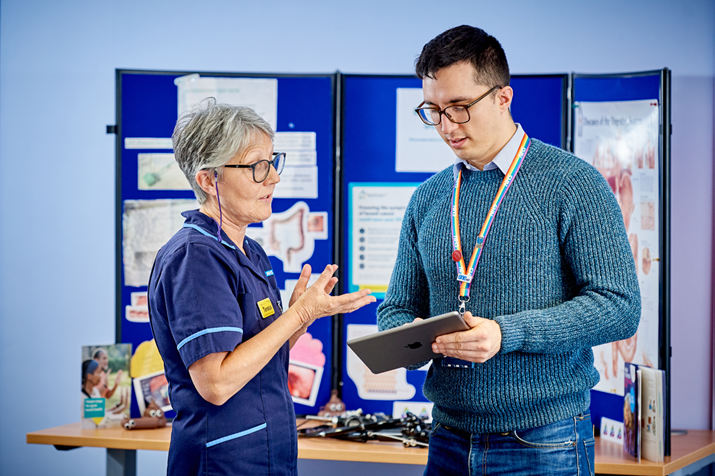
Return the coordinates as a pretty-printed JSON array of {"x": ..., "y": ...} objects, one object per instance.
[
  {"x": 419, "y": 146},
  {"x": 298, "y": 182},
  {"x": 260, "y": 94},
  {"x": 299, "y": 157},
  {"x": 421, "y": 409},
  {"x": 285, "y": 141},
  {"x": 148, "y": 143},
  {"x": 148, "y": 225},
  {"x": 620, "y": 139}
]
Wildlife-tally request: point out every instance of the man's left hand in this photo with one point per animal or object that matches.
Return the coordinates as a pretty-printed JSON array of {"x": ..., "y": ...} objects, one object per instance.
[{"x": 478, "y": 344}]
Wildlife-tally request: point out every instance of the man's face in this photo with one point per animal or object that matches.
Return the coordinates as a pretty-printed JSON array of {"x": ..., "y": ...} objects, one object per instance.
[{"x": 474, "y": 140}]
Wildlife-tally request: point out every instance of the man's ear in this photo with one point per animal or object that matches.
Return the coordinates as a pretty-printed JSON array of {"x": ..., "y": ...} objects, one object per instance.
[
  {"x": 207, "y": 181},
  {"x": 504, "y": 97}
]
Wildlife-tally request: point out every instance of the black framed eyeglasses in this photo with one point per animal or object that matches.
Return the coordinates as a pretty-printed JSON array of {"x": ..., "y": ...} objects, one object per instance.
[
  {"x": 459, "y": 113},
  {"x": 262, "y": 168}
]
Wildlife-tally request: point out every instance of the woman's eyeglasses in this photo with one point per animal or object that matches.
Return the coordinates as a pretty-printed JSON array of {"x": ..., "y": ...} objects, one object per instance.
[{"x": 262, "y": 168}]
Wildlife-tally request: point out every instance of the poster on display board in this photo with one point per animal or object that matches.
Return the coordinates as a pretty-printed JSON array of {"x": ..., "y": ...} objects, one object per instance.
[
  {"x": 620, "y": 139},
  {"x": 375, "y": 219}
]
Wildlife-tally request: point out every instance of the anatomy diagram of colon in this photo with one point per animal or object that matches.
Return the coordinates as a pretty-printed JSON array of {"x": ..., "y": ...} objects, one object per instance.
[{"x": 285, "y": 235}]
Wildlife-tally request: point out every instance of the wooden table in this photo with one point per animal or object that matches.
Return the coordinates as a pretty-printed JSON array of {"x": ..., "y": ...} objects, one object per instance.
[{"x": 690, "y": 452}]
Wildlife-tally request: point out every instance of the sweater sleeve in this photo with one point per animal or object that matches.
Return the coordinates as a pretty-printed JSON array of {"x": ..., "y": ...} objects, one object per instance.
[
  {"x": 606, "y": 306},
  {"x": 407, "y": 295}
]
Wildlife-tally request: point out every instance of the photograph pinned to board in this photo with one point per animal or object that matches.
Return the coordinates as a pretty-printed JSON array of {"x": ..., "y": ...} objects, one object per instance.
[
  {"x": 620, "y": 139},
  {"x": 304, "y": 382},
  {"x": 305, "y": 369},
  {"x": 317, "y": 226},
  {"x": 138, "y": 310},
  {"x": 160, "y": 172},
  {"x": 105, "y": 385},
  {"x": 147, "y": 226}
]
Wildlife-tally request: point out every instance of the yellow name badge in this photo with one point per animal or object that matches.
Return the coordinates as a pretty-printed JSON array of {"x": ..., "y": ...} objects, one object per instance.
[{"x": 266, "y": 308}]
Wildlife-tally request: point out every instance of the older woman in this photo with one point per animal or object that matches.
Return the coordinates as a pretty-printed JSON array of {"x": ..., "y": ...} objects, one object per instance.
[{"x": 215, "y": 306}]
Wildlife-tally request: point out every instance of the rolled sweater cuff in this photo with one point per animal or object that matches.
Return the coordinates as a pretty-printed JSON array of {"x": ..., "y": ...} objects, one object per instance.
[{"x": 512, "y": 334}]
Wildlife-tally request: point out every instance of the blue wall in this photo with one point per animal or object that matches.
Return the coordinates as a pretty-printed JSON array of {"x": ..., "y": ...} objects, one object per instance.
[{"x": 57, "y": 62}]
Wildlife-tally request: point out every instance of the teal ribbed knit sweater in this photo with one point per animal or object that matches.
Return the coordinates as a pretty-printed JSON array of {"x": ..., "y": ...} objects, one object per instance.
[{"x": 556, "y": 274}]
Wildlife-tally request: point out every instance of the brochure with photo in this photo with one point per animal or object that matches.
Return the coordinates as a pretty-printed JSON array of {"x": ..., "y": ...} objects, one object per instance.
[
  {"x": 653, "y": 438},
  {"x": 631, "y": 440},
  {"x": 152, "y": 388},
  {"x": 105, "y": 385}
]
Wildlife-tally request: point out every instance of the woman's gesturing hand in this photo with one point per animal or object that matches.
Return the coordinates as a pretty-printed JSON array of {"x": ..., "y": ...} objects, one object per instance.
[{"x": 316, "y": 301}]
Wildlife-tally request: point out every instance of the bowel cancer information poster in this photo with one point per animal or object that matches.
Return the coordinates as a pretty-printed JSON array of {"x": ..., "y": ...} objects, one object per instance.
[{"x": 376, "y": 212}]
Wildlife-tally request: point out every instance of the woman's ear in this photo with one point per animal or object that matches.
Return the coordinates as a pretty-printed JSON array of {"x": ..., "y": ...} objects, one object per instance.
[{"x": 207, "y": 181}]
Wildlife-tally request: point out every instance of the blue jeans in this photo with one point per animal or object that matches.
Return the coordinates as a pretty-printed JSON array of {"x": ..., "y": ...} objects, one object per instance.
[{"x": 562, "y": 448}]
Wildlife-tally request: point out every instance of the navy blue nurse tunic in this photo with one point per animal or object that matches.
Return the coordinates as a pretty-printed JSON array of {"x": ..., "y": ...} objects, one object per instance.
[{"x": 203, "y": 298}]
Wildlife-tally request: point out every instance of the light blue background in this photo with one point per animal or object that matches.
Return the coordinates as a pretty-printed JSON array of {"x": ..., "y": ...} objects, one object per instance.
[{"x": 57, "y": 94}]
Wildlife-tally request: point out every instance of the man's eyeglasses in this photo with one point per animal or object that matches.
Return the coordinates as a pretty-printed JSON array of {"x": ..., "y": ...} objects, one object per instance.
[
  {"x": 262, "y": 168},
  {"x": 459, "y": 114}
]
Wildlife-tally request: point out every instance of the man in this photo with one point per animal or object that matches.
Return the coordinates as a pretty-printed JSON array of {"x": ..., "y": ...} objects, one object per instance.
[{"x": 539, "y": 283}]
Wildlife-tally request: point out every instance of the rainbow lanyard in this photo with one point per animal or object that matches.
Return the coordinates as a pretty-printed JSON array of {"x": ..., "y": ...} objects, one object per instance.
[{"x": 464, "y": 274}]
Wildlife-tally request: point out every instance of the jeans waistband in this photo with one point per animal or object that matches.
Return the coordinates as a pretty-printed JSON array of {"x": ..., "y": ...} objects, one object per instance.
[{"x": 467, "y": 435}]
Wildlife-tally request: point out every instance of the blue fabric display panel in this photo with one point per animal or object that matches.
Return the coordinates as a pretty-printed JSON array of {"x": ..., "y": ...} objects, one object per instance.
[
  {"x": 375, "y": 114},
  {"x": 633, "y": 93},
  {"x": 147, "y": 111}
]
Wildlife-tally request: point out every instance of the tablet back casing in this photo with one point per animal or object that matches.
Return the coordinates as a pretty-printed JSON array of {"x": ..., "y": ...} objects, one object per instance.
[{"x": 405, "y": 345}]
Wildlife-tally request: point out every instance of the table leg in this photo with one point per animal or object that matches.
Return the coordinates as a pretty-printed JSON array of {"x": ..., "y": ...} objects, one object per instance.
[{"x": 121, "y": 462}]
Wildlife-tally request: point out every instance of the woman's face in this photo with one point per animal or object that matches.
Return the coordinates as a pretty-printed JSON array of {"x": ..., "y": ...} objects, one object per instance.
[
  {"x": 102, "y": 360},
  {"x": 243, "y": 201},
  {"x": 95, "y": 377}
]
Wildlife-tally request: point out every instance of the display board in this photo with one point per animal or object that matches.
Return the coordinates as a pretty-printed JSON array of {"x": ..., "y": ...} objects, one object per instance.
[
  {"x": 152, "y": 192},
  {"x": 386, "y": 152},
  {"x": 621, "y": 125}
]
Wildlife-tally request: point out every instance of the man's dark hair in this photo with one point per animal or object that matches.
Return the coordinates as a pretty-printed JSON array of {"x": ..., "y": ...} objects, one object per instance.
[{"x": 465, "y": 44}]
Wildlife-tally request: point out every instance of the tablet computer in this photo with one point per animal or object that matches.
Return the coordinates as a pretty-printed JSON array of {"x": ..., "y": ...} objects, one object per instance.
[{"x": 405, "y": 345}]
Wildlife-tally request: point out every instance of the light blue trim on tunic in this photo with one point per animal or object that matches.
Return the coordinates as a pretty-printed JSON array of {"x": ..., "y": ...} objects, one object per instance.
[
  {"x": 210, "y": 235},
  {"x": 235, "y": 435},
  {"x": 269, "y": 273},
  {"x": 210, "y": 330}
]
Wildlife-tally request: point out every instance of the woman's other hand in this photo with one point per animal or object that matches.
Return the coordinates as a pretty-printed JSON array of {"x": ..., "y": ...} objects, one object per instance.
[
  {"x": 316, "y": 302},
  {"x": 302, "y": 284}
]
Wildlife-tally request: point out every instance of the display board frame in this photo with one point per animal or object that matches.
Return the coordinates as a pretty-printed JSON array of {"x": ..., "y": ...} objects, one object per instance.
[
  {"x": 324, "y": 98},
  {"x": 558, "y": 135}
]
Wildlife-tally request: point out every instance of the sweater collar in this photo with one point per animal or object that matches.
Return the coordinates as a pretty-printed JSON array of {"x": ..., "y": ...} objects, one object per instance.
[{"x": 503, "y": 159}]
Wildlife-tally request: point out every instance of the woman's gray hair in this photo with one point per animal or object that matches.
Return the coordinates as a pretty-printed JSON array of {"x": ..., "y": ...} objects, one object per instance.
[{"x": 211, "y": 135}]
